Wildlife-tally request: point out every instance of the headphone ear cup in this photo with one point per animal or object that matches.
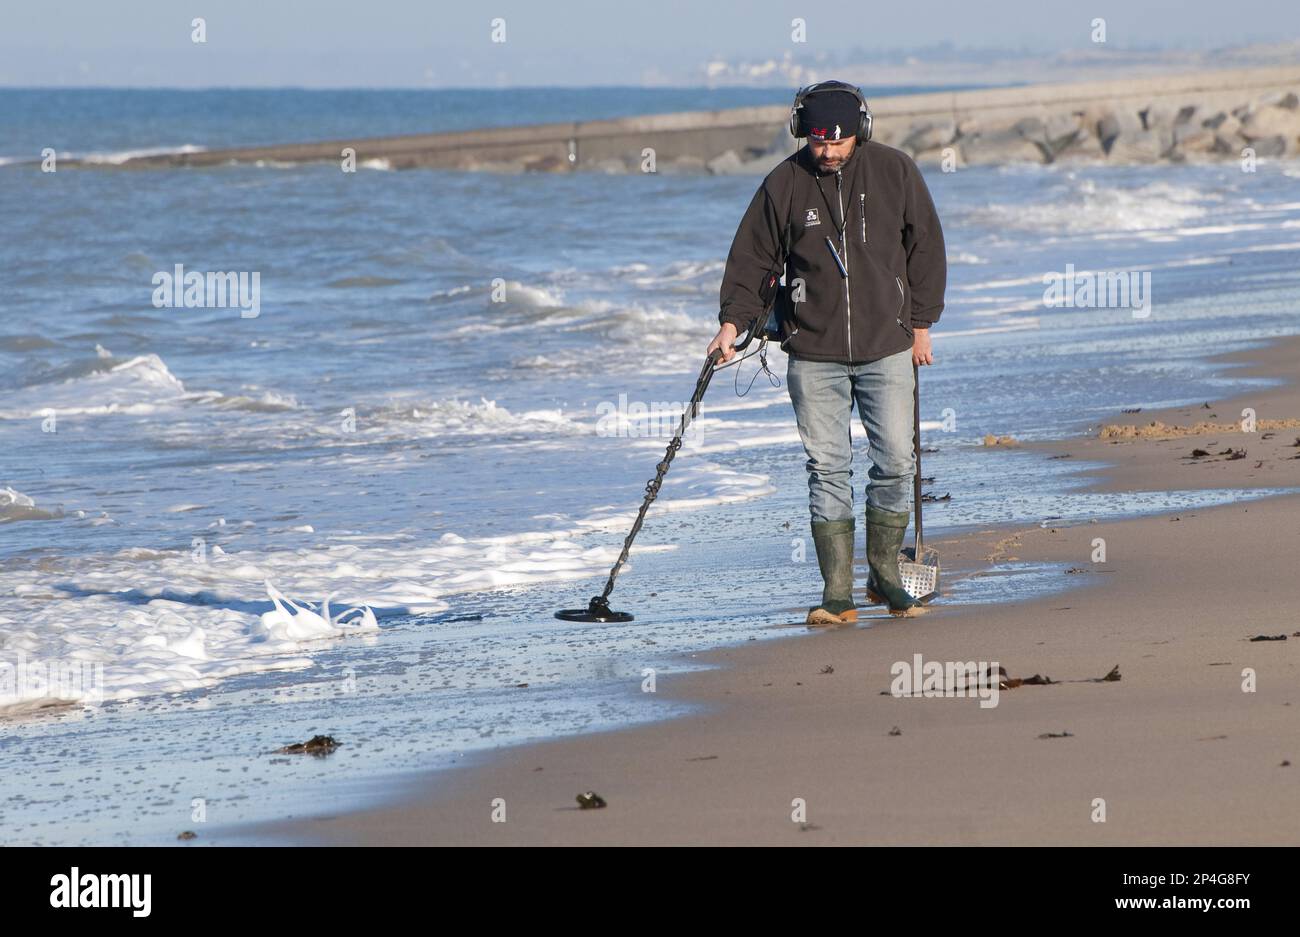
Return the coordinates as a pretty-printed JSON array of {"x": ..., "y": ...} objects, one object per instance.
[{"x": 864, "y": 127}]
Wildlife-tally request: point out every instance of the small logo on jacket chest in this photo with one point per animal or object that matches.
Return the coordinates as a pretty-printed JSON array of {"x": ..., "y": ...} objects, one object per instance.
[{"x": 810, "y": 218}]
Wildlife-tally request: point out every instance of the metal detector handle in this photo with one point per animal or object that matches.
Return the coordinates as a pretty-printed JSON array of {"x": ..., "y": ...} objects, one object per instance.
[
  {"x": 759, "y": 322},
  {"x": 754, "y": 328},
  {"x": 916, "y": 446}
]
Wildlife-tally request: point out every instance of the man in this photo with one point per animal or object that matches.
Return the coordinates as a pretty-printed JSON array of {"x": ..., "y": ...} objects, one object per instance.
[{"x": 851, "y": 225}]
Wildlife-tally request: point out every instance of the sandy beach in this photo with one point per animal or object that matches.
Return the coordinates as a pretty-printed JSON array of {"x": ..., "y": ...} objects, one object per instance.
[{"x": 1178, "y": 751}]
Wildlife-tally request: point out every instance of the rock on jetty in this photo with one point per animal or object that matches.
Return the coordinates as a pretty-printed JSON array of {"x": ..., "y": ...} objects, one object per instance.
[{"x": 1210, "y": 114}]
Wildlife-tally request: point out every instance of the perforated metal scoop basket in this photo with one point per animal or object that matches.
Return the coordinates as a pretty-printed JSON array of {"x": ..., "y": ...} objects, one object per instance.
[{"x": 920, "y": 579}]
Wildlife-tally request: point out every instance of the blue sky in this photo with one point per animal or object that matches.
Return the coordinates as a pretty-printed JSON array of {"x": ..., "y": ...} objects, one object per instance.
[{"x": 411, "y": 44}]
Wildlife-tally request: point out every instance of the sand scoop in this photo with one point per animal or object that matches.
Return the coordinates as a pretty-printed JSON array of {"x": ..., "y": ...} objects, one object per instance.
[{"x": 918, "y": 568}]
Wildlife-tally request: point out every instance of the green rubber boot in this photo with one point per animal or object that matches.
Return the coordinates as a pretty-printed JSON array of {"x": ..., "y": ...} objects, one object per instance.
[
  {"x": 885, "y": 531},
  {"x": 834, "y": 543}
]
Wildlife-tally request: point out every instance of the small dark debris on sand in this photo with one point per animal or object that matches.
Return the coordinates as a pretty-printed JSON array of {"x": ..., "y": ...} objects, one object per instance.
[
  {"x": 895, "y": 731},
  {"x": 1269, "y": 637},
  {"x": 1010, "y": 683},
  {"x": 1057, "y": 735},
  {"x": 1064, "y": 456},
  {"x": 316, "y": 745},
  {"x": 704, "y": 758},
  {"x": 188, "y": 834},
  {"x": 1285, "y": 764},
  {"x": 1112, "y": 676},
  {"x": 1198, "y": 454},
  {"x": 827, "y": 669},
  {"x": 1233, "y": 454},
  {"x": 590, "y": 801},
  {"x": 1006, "y": 682}
]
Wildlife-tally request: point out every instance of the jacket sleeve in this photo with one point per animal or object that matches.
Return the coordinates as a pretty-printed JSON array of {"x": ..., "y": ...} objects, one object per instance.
[
  {"x": 927, "y": 261},
  {"x": 755, "y": 255}
]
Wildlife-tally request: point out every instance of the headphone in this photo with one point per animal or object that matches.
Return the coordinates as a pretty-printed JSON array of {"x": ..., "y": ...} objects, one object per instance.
[{"x": 864, "y": 112}]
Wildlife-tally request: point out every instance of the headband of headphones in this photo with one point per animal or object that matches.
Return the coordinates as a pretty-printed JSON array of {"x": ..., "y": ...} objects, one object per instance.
[{"x": 864, "y": 112}]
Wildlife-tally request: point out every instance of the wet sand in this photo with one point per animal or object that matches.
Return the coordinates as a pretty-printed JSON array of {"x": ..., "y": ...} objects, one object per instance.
[{"x": 1176, "y": 749}]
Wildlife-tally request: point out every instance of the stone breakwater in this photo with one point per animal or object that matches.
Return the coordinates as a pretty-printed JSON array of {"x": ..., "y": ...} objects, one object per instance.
[
  {"x": 1206, "y": 115},
  {"x": 1191, "y": 118}
]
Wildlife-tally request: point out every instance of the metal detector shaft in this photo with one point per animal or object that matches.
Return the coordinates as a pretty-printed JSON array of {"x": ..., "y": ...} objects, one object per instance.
[
  {"x": 598, "y": 608},
  {"x": 652, "y": 486}
]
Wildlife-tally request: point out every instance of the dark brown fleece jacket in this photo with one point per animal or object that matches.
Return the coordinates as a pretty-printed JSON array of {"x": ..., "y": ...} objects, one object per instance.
[{"x": 883, "y": 231}]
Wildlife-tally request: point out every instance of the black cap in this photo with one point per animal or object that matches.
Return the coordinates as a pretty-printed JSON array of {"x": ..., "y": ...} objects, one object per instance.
[{"x": 830, "y": 115}]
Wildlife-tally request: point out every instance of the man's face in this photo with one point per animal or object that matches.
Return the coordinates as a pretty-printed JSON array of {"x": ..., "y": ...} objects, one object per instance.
[{"x": 831, "y": 154}]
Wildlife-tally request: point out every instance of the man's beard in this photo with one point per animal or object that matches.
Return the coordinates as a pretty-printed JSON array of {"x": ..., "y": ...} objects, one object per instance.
[{"x": 829, "y": 163}]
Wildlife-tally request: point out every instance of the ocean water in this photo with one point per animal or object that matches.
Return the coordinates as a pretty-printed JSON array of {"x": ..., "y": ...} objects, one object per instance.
[{"x": 183, "y": 490}]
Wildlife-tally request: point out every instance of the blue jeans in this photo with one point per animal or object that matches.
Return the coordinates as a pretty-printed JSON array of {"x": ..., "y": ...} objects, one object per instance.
[{"x": 823, "y": 394}]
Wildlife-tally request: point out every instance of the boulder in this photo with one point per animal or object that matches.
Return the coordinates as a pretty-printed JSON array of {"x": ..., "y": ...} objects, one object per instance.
[
  {"x": 1000, "y": 146},
  {"x": 1085, "y": 147},
  {"x": 1117, "y": 122},
  {"x": 1222, "y": 123},
  {"x": 1230, "y": 145},
  {"x": 1051, "y": 135},
  {"x": 928, "y": 135},
  {"x": 1142, "y": 146},
  {"x": 1272, "y": 146},
  {"x": 1158, "y": 117},
  {"x": 1271, "y": 121},
  {"x": 1193, "y": 138},
  {"x": 725, "y": 164}
]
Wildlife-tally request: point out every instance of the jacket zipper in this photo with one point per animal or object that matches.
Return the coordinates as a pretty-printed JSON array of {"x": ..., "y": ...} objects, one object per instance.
[
  {"x": 844, "y": 247},
  {"x": 902, "y": 298},
  {"x": 862, "y": 203}
]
